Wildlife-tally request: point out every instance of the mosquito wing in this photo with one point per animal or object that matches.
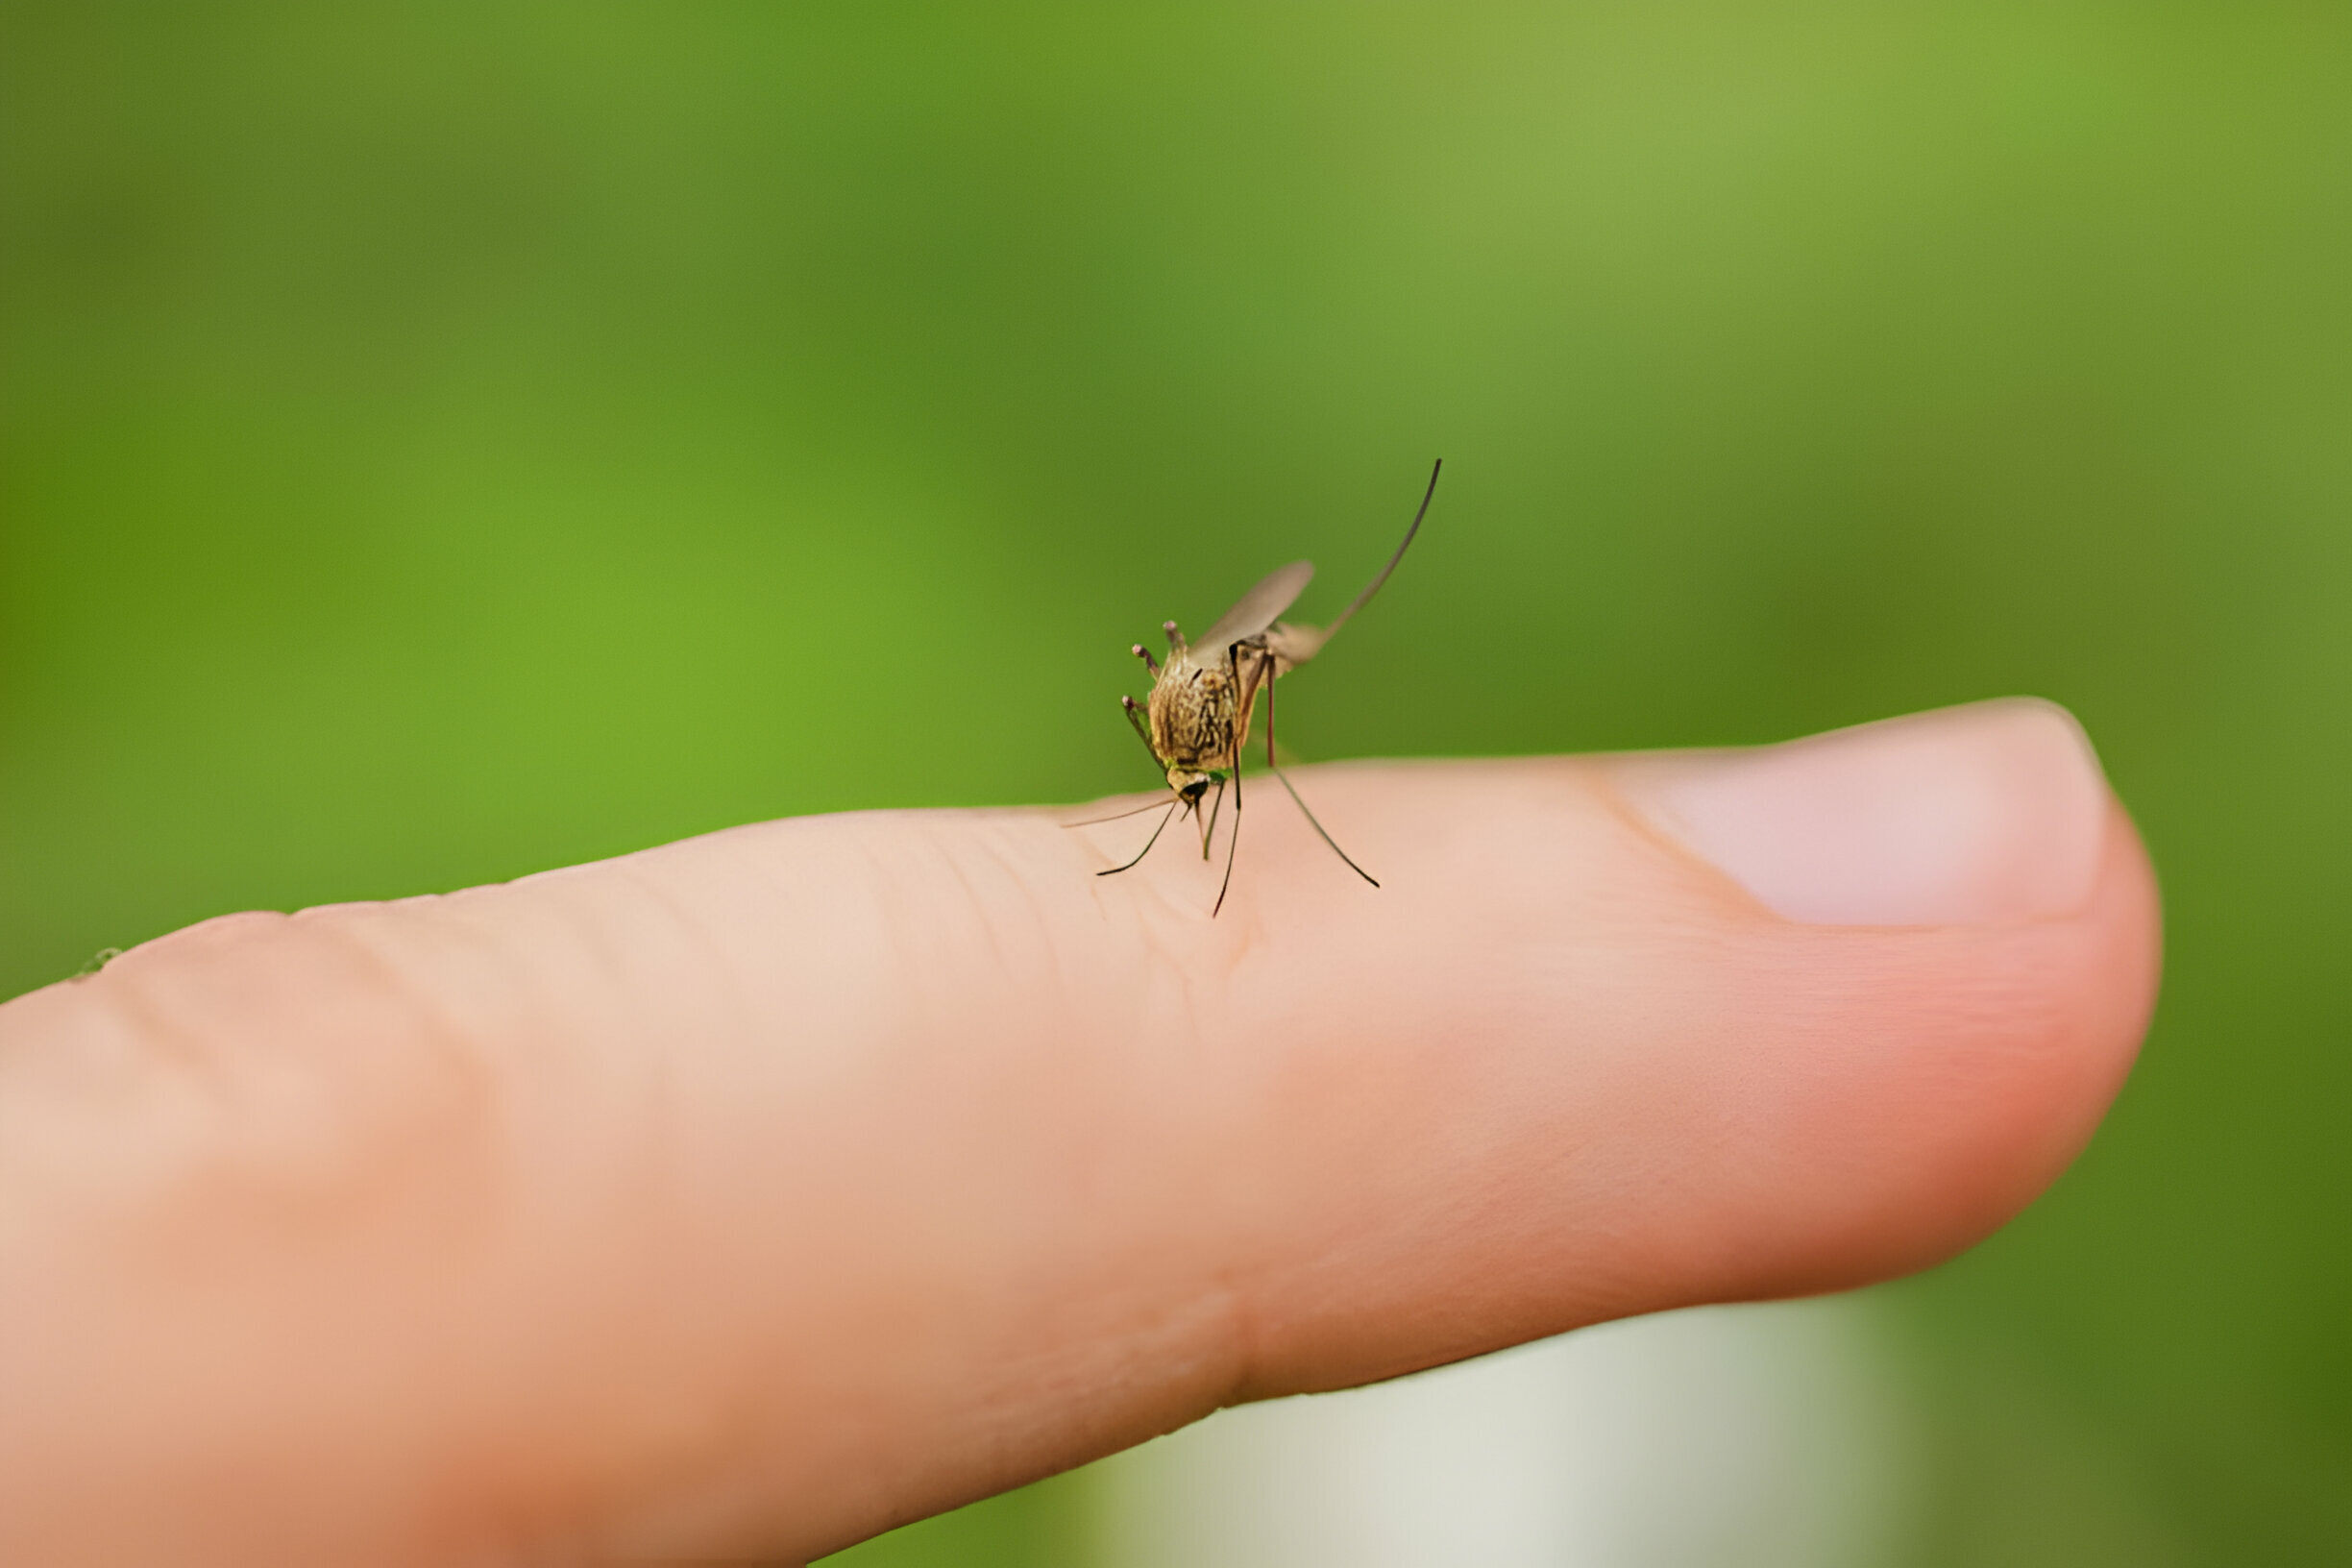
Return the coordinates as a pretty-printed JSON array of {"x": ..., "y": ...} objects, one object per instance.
[
  {"x": 1293, "y": 645},
  {"x": 1276, "y": 592}
]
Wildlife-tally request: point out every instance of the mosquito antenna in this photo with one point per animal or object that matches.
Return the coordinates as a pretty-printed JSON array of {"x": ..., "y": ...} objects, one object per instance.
[
  {"x": 1233, "y": 840},
  {"x": 1286, "y": 777},
  {"x": 1148, "y": 842},
  {"x": 1117, "y": 817},
  {"x": 1375, "y": 587}
]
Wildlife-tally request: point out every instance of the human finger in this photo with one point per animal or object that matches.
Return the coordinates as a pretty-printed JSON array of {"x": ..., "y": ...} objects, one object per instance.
[{"x": 761, "y": 1191}]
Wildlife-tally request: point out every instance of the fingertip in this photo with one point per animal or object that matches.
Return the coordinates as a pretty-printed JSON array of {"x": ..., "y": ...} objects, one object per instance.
[{"x": 1988, "y": 811}]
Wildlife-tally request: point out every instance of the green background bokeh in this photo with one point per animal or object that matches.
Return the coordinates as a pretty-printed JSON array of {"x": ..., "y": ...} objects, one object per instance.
[{"x": 443, "y": 443}]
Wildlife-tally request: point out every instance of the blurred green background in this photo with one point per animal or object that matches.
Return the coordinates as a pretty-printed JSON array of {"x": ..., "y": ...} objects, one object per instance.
[{"x": 446, "y": 442}]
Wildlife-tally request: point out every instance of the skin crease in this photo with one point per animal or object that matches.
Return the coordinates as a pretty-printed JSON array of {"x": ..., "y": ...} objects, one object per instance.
[{"x": 743, "y": 1198}]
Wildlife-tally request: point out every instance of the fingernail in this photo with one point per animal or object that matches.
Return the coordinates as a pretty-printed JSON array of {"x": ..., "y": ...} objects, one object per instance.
[{"x": 1996, "y": 811}]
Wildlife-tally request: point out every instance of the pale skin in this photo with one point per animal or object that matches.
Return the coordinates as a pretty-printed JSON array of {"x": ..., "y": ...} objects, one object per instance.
[{"x": 743, "y": 1198}]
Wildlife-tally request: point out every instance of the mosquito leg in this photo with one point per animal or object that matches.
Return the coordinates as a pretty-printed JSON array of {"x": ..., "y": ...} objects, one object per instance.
[
  {"x": 1144, "y": 653},
  {"x": 1233, "y": 669},
  {"x": 1115, "y": 816},
  {"x": 1134, "y": 721},
  {"x": 1209, "y": 828},
  {"x": 1320, "y": 830},
  {"x": 1147, "y": 842},
  {"x": 1233, "y": 840},
  {"x": 1294, "y": 794},
  {"x": 1270, "y": 679}
]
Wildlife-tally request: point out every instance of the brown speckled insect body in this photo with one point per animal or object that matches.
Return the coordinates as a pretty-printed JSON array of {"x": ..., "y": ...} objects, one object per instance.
[{"x": 1196, "y": 720}]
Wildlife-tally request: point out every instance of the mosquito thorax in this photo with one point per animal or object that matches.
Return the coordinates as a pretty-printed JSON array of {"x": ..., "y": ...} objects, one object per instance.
[{"x": 1194, "y": 716}]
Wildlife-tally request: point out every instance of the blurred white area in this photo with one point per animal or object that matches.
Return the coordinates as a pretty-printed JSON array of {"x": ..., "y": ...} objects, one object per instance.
[{"x": 1762, "y": 1437}]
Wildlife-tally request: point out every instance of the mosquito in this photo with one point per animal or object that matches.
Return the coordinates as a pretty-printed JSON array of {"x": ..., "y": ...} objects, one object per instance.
[{"x": 1197, "y": 718}]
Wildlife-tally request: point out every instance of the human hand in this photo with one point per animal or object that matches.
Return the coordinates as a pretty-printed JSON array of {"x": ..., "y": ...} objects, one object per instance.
[{"x": 757, "y": 1193}]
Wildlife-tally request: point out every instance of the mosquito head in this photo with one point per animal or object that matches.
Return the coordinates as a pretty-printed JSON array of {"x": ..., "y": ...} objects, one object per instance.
[{"x": 1189, "y": 786}]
